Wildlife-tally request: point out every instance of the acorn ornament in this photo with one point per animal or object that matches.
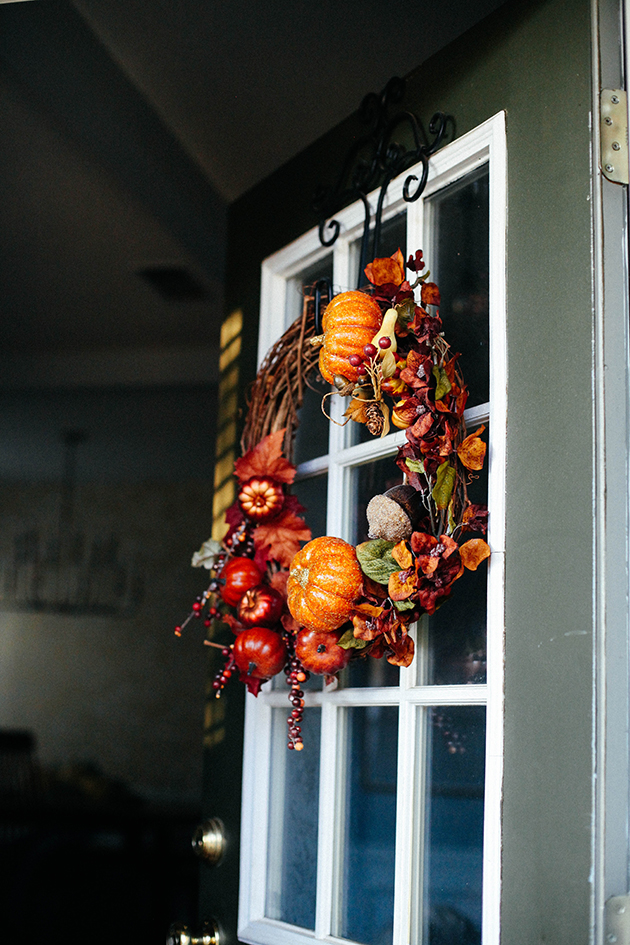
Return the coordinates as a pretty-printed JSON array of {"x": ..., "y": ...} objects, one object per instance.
[{"x": 394, "y": 515}]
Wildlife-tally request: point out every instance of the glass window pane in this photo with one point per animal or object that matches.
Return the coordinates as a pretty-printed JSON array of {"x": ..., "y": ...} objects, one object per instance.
[
  {"x": 322, "y": 269},
  {"x": 393, "y": 236},
  {"x": 368, "y": 832},
  {"x": 293, "y": 811},
  {"x": 367, "y": 672},
  {"x": 369, "y": 480},
  {"x": 453, "y": 825},
  {"x": 312, "y": 494},
  {"x": 457, "y": 630},
  {"x": 311, "y": 436},
  {"x": 460, "y": 217}
]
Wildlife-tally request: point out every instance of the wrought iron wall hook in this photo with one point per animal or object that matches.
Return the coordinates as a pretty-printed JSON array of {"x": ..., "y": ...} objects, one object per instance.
[
  {"x": 374, "y": 160},
  {"x": 322, "y": 287}
]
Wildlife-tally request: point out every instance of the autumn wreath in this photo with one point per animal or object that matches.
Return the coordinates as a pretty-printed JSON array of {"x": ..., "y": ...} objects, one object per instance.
[{"x": 311, "y": 608}]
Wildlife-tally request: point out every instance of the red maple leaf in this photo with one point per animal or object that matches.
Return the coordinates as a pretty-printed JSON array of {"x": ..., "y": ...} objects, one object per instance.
[
  {"x": 266, "y": 459},
  {"x": 280, "y": 539}
]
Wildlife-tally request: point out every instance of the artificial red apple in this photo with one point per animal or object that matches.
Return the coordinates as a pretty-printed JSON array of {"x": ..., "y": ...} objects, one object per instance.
[
  {"x": 239, "y": 575},
  {"x": 259, "y": 652},
  {"x": 260, "y": 606},
  {"x": 318, "y": 651}
]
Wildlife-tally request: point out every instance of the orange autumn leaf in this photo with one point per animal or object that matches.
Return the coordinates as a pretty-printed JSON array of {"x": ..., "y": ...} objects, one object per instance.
[
  {"x": 473, "y": 552},
  {"x": 388, "y": 270},
  {"x": 400, "y": 587},
  {"x": 280, "y": 539},
  {"x": 402, "y": 555},
  {"x": 363, "y": 630},
  {"x": 472, "y": 451},
  {"x": 368, "y": 609},
  {"x": 403, "y": 651},
  {"x": 357, "y": 410},
  {"x": 266, "y": 459},
  {"x": 430, "y": 294}
]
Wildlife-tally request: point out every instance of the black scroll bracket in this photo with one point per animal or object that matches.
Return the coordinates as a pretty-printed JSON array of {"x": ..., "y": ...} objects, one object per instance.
[{"x": 389, "y": 147}]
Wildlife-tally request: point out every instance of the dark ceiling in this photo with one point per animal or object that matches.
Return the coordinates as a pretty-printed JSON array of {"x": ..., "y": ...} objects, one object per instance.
[{"x": 127, "y": 130}]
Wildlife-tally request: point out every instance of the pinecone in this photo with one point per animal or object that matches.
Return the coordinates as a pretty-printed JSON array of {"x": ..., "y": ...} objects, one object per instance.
[{"x": 375, "y": 419}]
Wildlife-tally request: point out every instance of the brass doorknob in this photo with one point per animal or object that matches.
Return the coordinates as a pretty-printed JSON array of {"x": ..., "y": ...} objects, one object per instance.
[
  {"x": 180, "y": 934},
  {"x": 208, "y": 840}
]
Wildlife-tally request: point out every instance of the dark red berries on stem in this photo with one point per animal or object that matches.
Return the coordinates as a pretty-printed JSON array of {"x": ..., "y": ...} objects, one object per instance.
[{"x": 296, "y": 675}]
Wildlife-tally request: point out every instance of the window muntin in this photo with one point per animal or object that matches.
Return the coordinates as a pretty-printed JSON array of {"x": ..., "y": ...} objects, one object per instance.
[{"x": 451, "y": 676}]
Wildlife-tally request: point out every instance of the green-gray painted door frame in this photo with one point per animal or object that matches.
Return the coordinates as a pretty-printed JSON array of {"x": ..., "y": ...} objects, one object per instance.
[{"x": 535, "y": 60}]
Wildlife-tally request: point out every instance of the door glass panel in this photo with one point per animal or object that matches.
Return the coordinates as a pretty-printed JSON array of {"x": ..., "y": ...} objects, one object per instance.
[
  {"x": 453, "y": 825},
  {"x": 460, "y": 220},
  {"x": 367, "y": 672},
  {"x": 457, "y": 630},
  {"x": 367, "y": 854},
  {"x": 322, "y": 269},
  {"x": 369, "y": 480},
  {"x": 294, "y": 800},
  {"x": 457, "y": 634},
  {"x": 393, "y": 237},
  {"x": 312, "y": 494},
  {"x": 311, "y": 437}
]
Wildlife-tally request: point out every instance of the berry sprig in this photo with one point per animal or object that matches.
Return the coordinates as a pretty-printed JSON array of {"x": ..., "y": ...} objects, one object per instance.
[
  {"x": 198, "y": 606},
  {"x": 370, "y": 352},
  {"x": 296, "y": 676},
  {"x": 223, "y": 676},
  {"x": 240, "y": 542}
]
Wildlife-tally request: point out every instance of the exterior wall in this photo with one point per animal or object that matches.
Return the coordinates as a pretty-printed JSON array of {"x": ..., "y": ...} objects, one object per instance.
[{"x": 533, "y": 60}]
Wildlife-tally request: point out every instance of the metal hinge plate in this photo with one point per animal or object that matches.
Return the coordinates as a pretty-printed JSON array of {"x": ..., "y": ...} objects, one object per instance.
[
  {"x": 614, "y": 135},
  {"x": 617, "y": 913}
]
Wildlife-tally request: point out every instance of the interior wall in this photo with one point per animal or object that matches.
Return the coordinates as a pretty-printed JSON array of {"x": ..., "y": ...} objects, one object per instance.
[{"x": 118, "y": 692}]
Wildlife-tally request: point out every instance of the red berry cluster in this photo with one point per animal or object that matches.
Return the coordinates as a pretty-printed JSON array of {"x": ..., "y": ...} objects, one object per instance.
[
  {"x": 369, "y": 353},
  {"x": 222, "y": 677},
  {"x": 296, "y": 676}
]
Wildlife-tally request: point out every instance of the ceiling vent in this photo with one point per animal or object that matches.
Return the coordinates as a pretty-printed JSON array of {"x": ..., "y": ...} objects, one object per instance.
[{"x": 174, "y": 283}]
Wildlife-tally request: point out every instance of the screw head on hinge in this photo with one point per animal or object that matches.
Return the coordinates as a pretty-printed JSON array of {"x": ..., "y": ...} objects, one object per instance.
[
  {"x": 608, "y": 168},
  {"x": 614, "y": 99}
]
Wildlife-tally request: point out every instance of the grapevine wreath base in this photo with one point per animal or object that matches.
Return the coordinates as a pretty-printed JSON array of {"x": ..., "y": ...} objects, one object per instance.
[{"x": 312, "y": 609}]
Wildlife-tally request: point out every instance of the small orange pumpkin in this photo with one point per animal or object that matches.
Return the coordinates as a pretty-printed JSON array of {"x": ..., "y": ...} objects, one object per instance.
[
  {"x": 324, "y": 580},
  {"x": 350, "y": 322}
]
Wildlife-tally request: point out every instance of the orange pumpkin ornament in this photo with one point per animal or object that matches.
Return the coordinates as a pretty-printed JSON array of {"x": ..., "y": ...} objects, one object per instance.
[
  {"x": 324, "y": 580},
  {"x": 350, "y": 322},
  {"x": 261, "y": 498}
]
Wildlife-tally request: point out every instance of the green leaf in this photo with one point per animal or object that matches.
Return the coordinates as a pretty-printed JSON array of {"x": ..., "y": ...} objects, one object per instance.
[
  {"x": 349, "y": 642},
  {"x": 207, "y": 554},
  {"x": 443, "y": 385},
  {"x": 444, "y": 484},
  {"x": 375, "y": 559},
  {"x": 452, "y": 524},
  {"x": 406, "y": 311},
  {"x": 404, "y": 604},
  {"x": 415, "y": 465}
]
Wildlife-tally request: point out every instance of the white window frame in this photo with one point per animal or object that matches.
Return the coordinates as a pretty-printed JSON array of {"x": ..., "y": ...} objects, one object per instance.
[{"x": 485, "y": 144}]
